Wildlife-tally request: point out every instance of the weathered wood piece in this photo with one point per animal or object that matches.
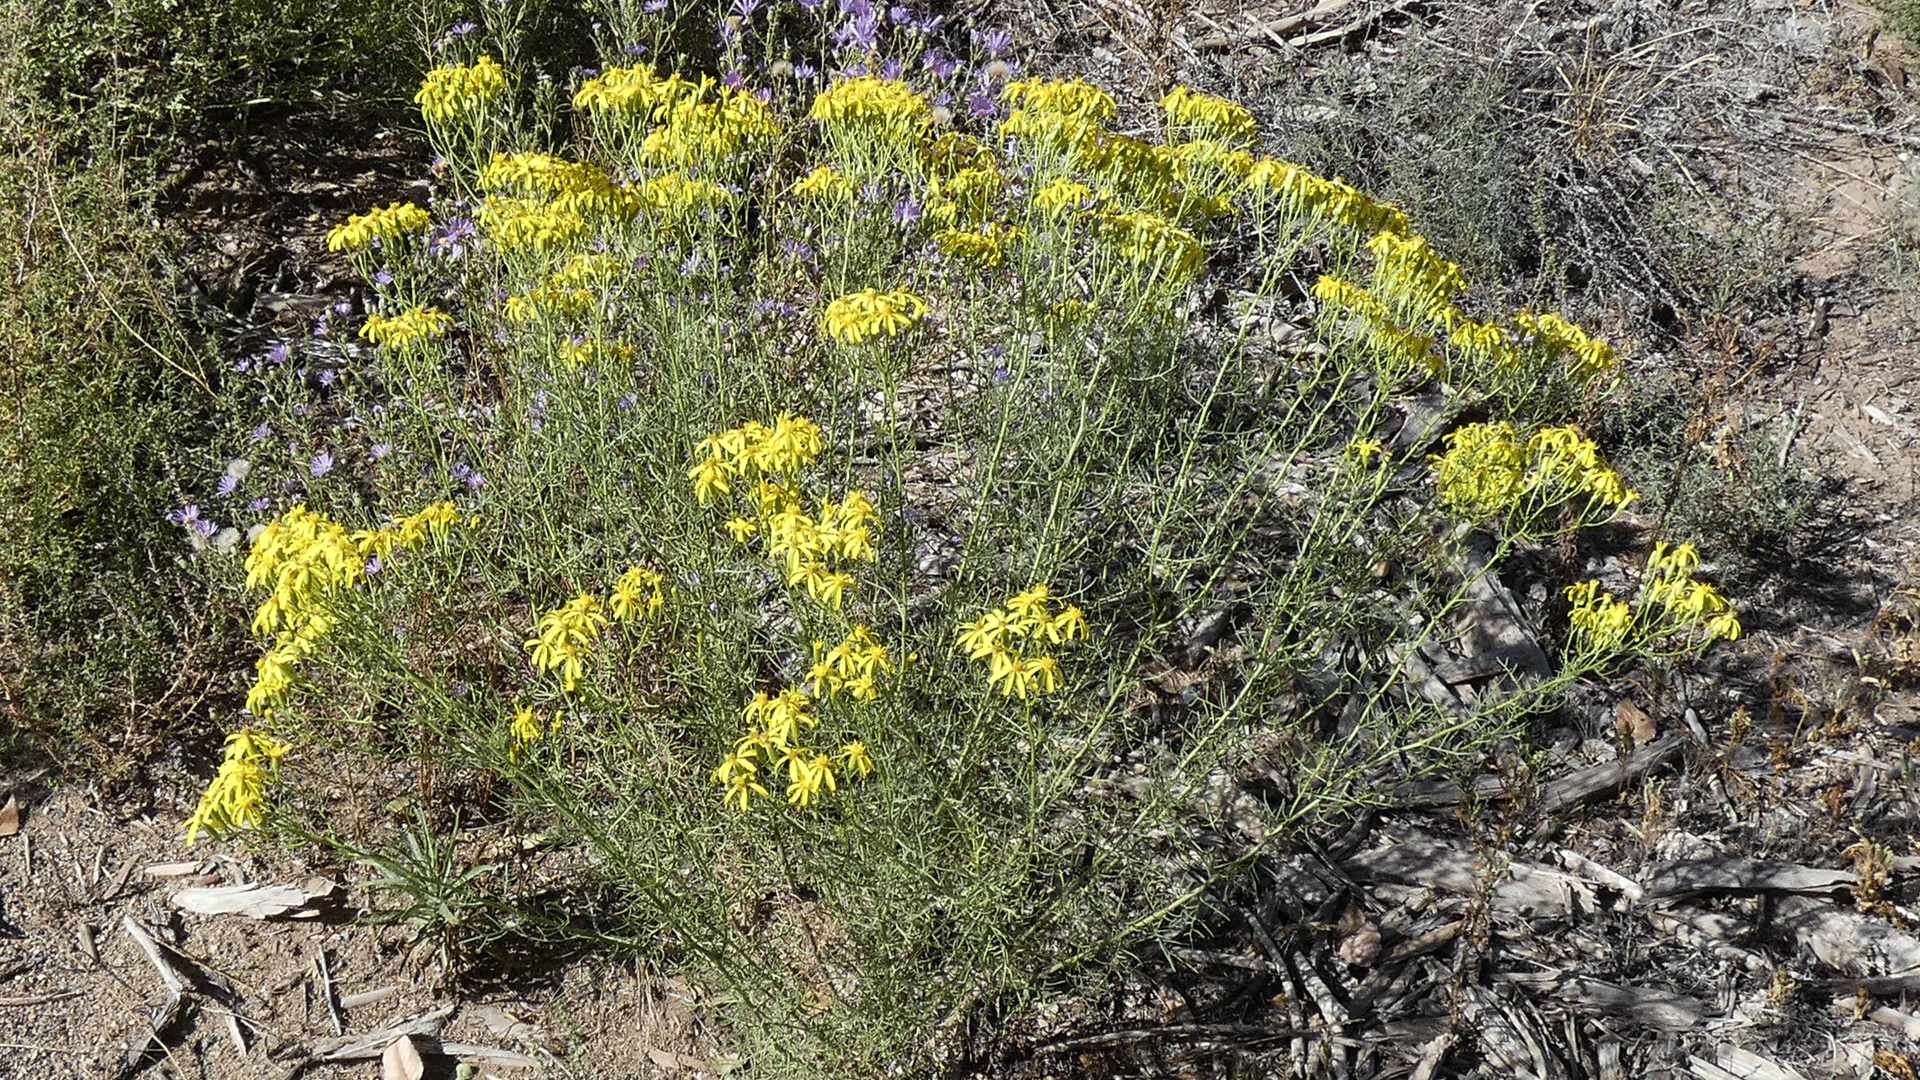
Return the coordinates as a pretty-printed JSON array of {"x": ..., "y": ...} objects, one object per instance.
[
  {"x": 1733, "y": 874},
  {"x": 1847, "y": 941},
  {"x": 258, "y": 901},
  {"x": 1657, "y": 1009}
]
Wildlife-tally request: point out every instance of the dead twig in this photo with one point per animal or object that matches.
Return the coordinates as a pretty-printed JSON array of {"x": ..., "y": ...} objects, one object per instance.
[{"x": 1207, "y": 1032}]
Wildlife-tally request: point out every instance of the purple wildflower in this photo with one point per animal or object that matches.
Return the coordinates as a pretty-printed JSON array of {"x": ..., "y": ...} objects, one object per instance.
[
  {"x": 981, "y": 106},
  {"x": 322, "y": 464},
  {"x": 381, "y": 450},
  {"x": 906, "y": 211},
  {"x": 450, "y": 240},
  {"x": 460, "y": 29},
  {"x": 372, "y": 567},
  {"x": 258, "y": 504},
  {"x": 804, "y": 71},
  {"x": 733, "y": 80},
  {"x": 327, "y": 375},
  {"x": 259, "y": 434},
  {"x": 277, "y": 355},
  {"x": 382, "y": 277},
  {"x": 994, "y": 41},
  {"x": 940, "y": 64},
  {"x": 892, "y": 68},
  {"x": 745, "y": 8},
  {"x": 227, "y": 485}
]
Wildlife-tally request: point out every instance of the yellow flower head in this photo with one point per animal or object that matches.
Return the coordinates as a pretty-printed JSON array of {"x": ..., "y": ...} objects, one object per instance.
[
  {"x": 408, "y": 330},
  {"x": 384, "y": 224},
  {"x": 1209, "y": 114},
  {"x": 459, "y": 92},
  {"x": 236, "y": 798},
  {"x": 872, "y": 108},
  {"x": 869, "y": 315},
  {"x": 824, "y": 183},
  {"x": 637, "y": 594}
]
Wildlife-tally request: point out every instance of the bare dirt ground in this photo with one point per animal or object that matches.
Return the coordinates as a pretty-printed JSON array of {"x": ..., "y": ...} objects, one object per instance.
[{"x": 1711, "y": 875}]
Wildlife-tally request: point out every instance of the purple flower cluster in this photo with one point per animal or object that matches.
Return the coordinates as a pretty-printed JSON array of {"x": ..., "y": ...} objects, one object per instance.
[
  {"x": 188, "y": 516},
  {"x": 468, "y": 475},
  {"x": 451, "y": 240}
]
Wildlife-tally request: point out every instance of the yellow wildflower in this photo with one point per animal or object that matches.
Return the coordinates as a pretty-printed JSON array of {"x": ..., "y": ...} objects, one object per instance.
[
  {"x": 385, "y": 224},
  {"x": 237, "y": 796},
  {"x": 458, "y": 91},
  {"x": 1215, "y": 115},
  {"x": 854, "y": 757},
  {"x": 636, "y": 595},
  {"x": 869, "y": 314},
  {"x": 407, "y": 330},
  {"x": 824, "y": 183}
]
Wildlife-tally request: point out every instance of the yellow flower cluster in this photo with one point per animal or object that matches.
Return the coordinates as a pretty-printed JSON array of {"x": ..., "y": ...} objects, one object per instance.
[
  {"x": 775, "y": 726},
  {"x": 1488, "y": 340},
  {"x": 237, "y": 794},
  {"x": 1591, "y": 357},
  {"x": 561, "y": 638},
  {"x": 1010, "y": 640},
  {"x": 807, "y": 545},
  {"x": 825, "y": 184},
  {"x": 457, "y": 91},
  {"x": 871, "y": 109},
  {"x": 1376, "y": 322},
  {"x": 1129, "y": 170},
  {"x": 1410, "y": 275},
  {"x": 526, "y": 729},
  {"x": 967, "y": 196},
  {"x": 1214, "y": 115},
  {"x": 627, "y": 89},
  {"x": 384, "y": 223},
  {"x": 1213, "y": 154},
  {"x": 409, "y": 329},
  {"x": 1150, "y": 240},
  {"x": 1672, "y": 605},
  {"x": 1062, "y": 196},
  {"x": 986, "y": 245},
  {"x": 754, "y": 449},
  {"x": 868, "y": 315},
  {"x": 678, "y": 194},
  {"x": 852, "y": 667},
  {"x": 302, "y": 558},
  {"x": 637, "y": 594},
  {"x": 1057, "y": 114},
  {"x": 1487, "y": 471},
  {"x": 517, "y": 224},
  {"x": 592, "y": 352},
  {"x": 548, "y": 300},
  {"x": 694, "y": 131},
  {"x": 1307, "y": 195},
  {"x": 1668, "y": 585},
  {"x": 572, "y": 187}
]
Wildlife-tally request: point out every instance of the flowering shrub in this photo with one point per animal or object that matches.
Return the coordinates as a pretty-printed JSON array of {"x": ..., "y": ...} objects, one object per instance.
[{"x": 765, "y": 416}]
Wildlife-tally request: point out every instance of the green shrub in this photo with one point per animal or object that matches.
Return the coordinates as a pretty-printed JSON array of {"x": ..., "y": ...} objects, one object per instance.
[
  {"x": 108, "y": 643},
  {"x": 849, "y": 540}
]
